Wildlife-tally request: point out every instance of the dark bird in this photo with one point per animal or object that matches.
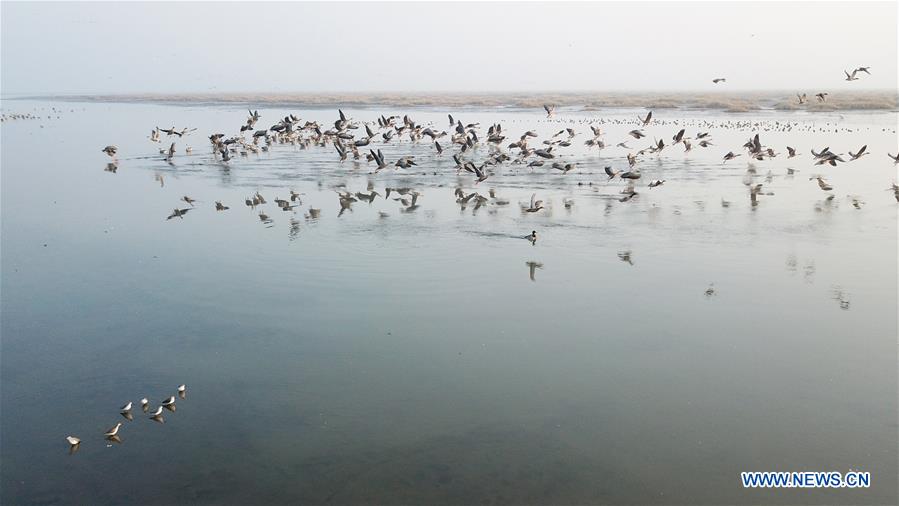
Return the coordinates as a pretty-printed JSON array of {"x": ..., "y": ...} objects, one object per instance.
[
  {"x": 861, "y": 153},
  {"x": 178, "y": 213}
]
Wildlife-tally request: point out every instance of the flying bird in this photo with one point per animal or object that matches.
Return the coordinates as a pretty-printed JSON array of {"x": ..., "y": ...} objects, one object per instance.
[
  {"x": 861, "y": 153},
  {"x": 535, "y": 206}
]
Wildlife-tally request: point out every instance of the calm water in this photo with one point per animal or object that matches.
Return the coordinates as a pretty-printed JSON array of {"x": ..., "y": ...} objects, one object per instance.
[{"x": 411, "y": 358}]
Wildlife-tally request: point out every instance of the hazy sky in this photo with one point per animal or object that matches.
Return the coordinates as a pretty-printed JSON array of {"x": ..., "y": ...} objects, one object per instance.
[{"x": 608, "y": 46}]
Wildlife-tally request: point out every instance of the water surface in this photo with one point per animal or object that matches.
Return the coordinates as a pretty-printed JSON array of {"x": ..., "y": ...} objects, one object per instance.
[{"x": 411, "y": 358}]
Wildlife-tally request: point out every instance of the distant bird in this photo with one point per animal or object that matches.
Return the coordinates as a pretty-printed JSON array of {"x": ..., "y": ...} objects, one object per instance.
[
  {"x": 862, "y": 69},
  {"x": 110, "y": 150},
  {"x": 636, "y": 134},
  {"x": 145, "y": 404},
  {"x": 188, "y": 200},
  {"x": 550, "y": 109},
  {"x": 609, "y": 172},
  {"x": 822, "y": 97},
  {"x": 73, "y": 441},
  {"x": 861, "y": 153},
  {"x": 851, "y": 77},
  {"x": 126, "y": 408},
  {"x": 710, "y": 291},
  {"x": 532, "y": 236},
  {"x": 719, "y": 80},
  {"x": 182, "y": 391},
  {"x": 657, "y": 182},
  {"x": 895, "y": 157},
  {"x": 479, "y": 173},
  {"x": 379, "y": 159},
  {"x": 220, "y": 207},
  {"x": 625, "y": 256},
  {"x": 169, "y": 401},
  {"x": 630, "y": 174},
  {"x": 178, "y": 213},
  {"x": 802, "y": 98},
  {"x": 535, "y": 206},
  {"x": 824, "y": 185},
  {"x": 112, "y": 431},
  {"x": 157, "y": 415},
  {"x": 730, "y": 156},
  {"x": 790, "y": 152},
  {"x": 645, "y": 120}
]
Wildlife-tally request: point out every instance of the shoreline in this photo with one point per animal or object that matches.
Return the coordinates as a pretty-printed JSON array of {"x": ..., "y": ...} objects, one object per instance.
[{"x": 734, "y": 102}]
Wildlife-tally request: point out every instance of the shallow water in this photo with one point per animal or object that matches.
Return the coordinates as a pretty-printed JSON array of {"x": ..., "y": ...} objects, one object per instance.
[{"x": 411, "y": 358}]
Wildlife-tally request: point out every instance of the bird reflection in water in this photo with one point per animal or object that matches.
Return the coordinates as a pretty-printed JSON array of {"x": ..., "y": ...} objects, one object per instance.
[{"x": 532, "y": 268}]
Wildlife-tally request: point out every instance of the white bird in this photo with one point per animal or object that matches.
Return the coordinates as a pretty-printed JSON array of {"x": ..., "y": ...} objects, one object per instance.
[
  {"x": 169, "y": 401},
  {"x": 536, "y": 205},
  {"x": 145, "y": 404},
  {"x": 112, "y": 431},
  {"x": 74, "y": 441},
  {"x": 158, "y": 412},
  {"x": 126, "y": 408}
]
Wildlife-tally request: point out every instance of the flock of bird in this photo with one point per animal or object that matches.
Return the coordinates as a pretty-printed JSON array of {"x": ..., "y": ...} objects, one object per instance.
[
  {"x": 362, "y": 141},
  {"x": 466, "y": 138},
  {"x": 112, "y": 434}
]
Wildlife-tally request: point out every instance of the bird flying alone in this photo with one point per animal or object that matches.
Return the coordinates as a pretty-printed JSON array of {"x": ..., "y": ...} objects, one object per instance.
[{"x": 719, "y": 80}]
